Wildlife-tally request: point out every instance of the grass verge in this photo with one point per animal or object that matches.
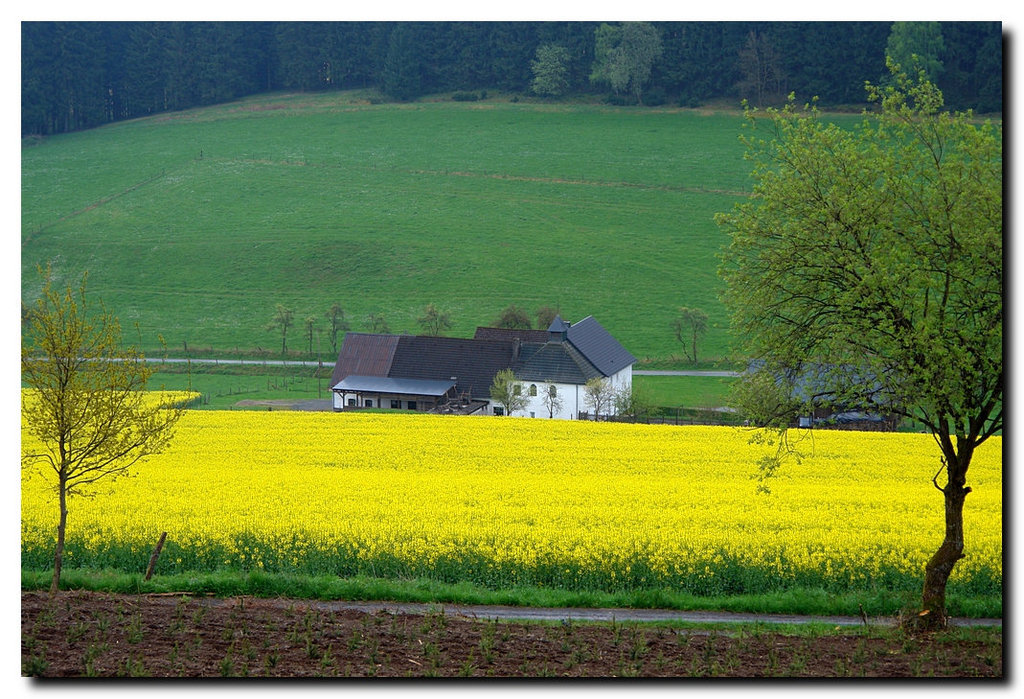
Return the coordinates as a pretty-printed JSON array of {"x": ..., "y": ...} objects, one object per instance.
[{"x": 362, "y": 588}]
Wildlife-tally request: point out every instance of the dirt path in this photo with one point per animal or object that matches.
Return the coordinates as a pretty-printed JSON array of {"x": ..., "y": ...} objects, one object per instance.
[{"x": 584, "y": 614}]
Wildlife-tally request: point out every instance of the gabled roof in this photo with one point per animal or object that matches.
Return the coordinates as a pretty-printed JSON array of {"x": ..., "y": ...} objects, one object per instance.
[
  {"x": 364, "y": 354},
  {"x": 599, "y": 347},
  {"x": 511, "y": 334},
  {"x": 558, "y": 362},
  {"x": 473, "y": 363}
]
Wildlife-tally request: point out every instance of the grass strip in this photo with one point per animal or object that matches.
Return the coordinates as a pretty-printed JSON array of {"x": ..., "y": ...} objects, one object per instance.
[{"x": 363, "y": 588}]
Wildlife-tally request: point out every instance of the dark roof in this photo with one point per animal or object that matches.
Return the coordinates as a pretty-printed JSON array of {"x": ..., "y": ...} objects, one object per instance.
[
  {"x": 558, "y": 362},
  {"x": 511, "y": 334},
  {"x": 589, "y": 352},
  {"x": 364, "y": 354},
  {"x": 473, "y": 362},
  {"x": 598, "y": 346},
  {"x": 382, "y": 384},
  {"x": 558, "y": 325}
]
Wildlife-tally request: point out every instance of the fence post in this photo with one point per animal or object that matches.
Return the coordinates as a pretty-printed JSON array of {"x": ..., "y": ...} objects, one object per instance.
[{"x": 156, "y": 555}]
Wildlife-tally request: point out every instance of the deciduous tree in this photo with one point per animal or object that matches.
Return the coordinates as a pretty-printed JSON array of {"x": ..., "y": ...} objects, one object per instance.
[
  {"x": 336, "y": 316},
  {"x": 87, "y": 409},
  {"x": 624, "y": 56},
  {"x": 434, "y": 321},
  {"x": 689, "y": 327},
  {"x": 283, "y": 319},
  {"x": 513, "y": 318},
  {"x": 875, "y": 256},
  {"x": 598, "y": 394},
  {"x": 507, "y": 390},
  {"x": 551, "y": 399},
  {"x": 550, "y": 70}
]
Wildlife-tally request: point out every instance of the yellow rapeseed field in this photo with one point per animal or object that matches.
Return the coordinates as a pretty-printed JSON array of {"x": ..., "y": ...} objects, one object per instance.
[{"x": 502, "y": 501}]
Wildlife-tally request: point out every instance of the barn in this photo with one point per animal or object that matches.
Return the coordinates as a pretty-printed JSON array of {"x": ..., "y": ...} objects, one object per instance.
[{"x": 454, "y": 375}]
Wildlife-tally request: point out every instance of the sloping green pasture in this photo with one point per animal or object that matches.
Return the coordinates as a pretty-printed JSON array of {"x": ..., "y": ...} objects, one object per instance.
[{"x": 194, "y": 225}]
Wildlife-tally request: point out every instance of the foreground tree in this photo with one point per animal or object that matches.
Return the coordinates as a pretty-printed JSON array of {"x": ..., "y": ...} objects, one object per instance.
[
  {"x": 550, "y": 71},
  {"x": 87, "y": 409},
  {"x": 873, "y": 260},
  {"x": 507, "y": 390}
]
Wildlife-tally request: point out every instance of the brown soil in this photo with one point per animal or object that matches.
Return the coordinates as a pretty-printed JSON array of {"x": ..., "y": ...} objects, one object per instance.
[{"x": 81, "y": 634}]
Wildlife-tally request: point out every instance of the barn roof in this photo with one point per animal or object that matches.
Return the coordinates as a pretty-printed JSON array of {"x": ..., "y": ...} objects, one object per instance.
[
  {"x": 383, "y": 384},
  {"x": 473, "y": 363},
  {"x": 364, "y": 354},
  {"x": 511, "y": 334}
]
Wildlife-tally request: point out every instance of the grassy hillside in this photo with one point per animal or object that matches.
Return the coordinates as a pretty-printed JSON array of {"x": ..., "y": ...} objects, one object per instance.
[{"x": 195, "y": 225}]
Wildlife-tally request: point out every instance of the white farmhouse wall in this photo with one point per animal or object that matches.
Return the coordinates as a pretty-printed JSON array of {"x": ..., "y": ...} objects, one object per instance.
[{"x": 572, "y": 395}]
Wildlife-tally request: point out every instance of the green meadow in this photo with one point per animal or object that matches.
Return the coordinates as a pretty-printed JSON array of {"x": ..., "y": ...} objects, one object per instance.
[{"x": 195, "y": 225}]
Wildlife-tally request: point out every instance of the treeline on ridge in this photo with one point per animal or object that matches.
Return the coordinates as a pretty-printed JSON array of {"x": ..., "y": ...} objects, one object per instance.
[{"x": 78, "y": 75}]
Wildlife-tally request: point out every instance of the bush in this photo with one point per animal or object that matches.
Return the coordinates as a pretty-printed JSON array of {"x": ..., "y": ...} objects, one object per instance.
[
  {"x": 655, "y": 98},
  {"x": 465, "y": 97}
]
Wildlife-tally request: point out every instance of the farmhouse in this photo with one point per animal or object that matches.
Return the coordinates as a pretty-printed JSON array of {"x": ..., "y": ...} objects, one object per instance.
[{"x": 447, "y": 374}]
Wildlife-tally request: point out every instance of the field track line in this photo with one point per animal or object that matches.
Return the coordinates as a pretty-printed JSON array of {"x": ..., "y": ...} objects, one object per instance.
[{"x": 562, "y": 614}]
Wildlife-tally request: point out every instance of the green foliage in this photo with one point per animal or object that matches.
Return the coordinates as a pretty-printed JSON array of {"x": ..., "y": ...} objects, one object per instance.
[
  {"x": 550, "y": 71},
  {"x": 513, "y": 318},
  {"x": 868, "y": 267},
  {"x": 88, "y": 409},
  {"x": 914, "y": 45},
  {"x": 876, "y": 256},
  {"x": 624, "y": 56},
  {"x": 508, "y": 391}
]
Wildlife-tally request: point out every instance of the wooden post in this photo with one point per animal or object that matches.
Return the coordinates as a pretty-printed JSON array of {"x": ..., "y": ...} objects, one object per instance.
[{"x": 156, "y": 555}]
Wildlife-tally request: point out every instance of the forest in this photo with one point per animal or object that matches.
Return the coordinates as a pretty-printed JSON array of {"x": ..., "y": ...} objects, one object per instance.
[{"x": 78, "y": 75}]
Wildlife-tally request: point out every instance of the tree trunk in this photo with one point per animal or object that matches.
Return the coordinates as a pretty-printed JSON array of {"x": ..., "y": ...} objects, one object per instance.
[
  {"x": 58, "y": 555},
  {"x": 940, "y": 566}
]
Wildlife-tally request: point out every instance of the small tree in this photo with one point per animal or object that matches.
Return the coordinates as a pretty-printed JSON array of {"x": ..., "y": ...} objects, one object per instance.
[
  {"x": 551, "y": 400},
  {"x": 545, "y": 317},
  {"x": 513, "y": 318},
  {"x": 508, "y": 391},
  {"x": 336, "y": 316},
  {"x": 689, "y": 327},
  {"x": 87, "y": 410},
  {"x": 375, "y": 323},
  {"x": 310, "y": 326},
  {"x": 434, "y": 321},
  {"x": 633, "y": 402},
  {"x": 283, "y": 319},
  {"x": 598, "y": 394}
]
